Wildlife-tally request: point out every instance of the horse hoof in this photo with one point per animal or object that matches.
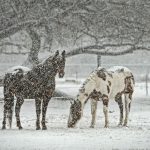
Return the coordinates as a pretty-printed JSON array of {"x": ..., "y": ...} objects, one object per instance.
[
  {"x": 20, "y": 128},
  {"x": 106, "y": 126},
  {"x": 125, "y": 125},
  {"x": 3, "y": 128},
  {"x": 119, "y": 125},
  {"x": 44, "y": 128},
  {"x": 38, "y": 128},
  {"x": 91, "y": 126}
]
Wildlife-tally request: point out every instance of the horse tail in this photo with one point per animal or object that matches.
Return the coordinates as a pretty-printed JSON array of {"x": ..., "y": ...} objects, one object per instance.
[{"x": 8, "y": 98}]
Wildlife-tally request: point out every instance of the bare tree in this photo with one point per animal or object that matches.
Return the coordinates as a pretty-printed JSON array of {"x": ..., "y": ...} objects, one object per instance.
[{"x": 110, "y": 27}]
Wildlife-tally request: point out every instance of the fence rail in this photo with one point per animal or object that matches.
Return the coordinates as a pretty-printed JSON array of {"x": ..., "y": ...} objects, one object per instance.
[{"x": 75, "y": 72}]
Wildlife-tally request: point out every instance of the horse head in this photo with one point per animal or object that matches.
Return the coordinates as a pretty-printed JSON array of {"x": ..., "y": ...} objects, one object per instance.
[
  {"x": 75, "y": 113},
  {"x": 59, "y": 63}
]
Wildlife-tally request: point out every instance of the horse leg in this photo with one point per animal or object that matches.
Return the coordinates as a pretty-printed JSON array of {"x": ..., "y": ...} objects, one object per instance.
[
  {"x": 5, "y": 112},
  {"x": 118, "y": 99},
  {"x": 93, "y": 112},
  {"x": 38, "y": 112},
  {"x": 8, "y": 109},
  {"x": 120, "y": 103},
  {"x": 19, "y": 103},
  {"x": 44, "y": 109},
  {"x": 128, "y": 98},
  {"x": 105, "y": 109}
]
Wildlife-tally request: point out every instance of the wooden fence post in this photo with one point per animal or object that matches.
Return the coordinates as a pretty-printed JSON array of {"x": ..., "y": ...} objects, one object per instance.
[{"x": 146, "y": 83}]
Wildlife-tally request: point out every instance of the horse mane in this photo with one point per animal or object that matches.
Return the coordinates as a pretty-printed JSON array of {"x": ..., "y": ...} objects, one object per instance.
[
  {"x": 46, "y": 60},
  {"x": 92, "y": 74},
  {"x": 91, "y": 78},
  {"x": 43, "y": 63}
]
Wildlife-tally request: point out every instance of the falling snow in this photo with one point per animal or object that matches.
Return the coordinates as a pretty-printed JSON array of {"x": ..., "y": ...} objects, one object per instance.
[{"x": 41, "y": 41}]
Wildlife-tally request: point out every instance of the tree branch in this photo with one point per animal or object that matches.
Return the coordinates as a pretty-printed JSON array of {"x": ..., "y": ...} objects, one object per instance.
[
  {"x": 101, "y": 50},
  {"x": 36, "y": 43},
  {"x": 12, "y": 44},
  {"x": 18, "y": 27}
]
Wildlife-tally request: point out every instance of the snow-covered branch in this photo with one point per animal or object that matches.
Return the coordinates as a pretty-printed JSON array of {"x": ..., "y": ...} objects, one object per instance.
[
  {"x": 97, "y": 21},
  {"x": 106, "y": 49},
  {"x": 17, "y": 27},
  {"x": 13, "y": 44}
]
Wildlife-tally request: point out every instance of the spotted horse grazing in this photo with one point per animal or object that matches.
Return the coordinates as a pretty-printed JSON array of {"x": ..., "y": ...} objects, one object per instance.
[
  {"x": 105, "y": 85},
  {"x": 38, "y": 83}
]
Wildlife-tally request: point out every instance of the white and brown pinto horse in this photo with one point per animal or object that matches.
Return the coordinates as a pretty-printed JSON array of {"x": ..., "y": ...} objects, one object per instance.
[{"x": 105, "y": 85}]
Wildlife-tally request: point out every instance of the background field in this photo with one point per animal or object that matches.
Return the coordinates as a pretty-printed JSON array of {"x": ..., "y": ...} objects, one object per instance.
[{"x": 59, "y": 137}]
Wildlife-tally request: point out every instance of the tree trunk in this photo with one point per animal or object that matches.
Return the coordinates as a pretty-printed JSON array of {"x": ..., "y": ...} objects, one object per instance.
[
  {"x": 146, "y": 83},
  {"x": 99, "y": 60},
  {"x": 32, "y": 59},
  {"x": 49, "y": 38}
]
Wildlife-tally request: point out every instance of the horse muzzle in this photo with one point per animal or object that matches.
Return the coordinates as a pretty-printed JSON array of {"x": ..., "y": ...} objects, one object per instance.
[{"x": 61, "y": 75}]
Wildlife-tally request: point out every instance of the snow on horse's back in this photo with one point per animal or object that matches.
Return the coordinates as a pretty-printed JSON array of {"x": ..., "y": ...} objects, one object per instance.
[{"x": 15, "y": 69}]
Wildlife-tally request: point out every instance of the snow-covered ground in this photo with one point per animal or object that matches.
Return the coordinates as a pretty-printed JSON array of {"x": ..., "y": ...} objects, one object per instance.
[{"x": 59, "y": 137}]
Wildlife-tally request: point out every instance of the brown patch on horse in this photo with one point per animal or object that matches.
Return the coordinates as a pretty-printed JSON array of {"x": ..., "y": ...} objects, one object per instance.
[
  {"x": 117, "y": 97},
  {"x": 120, "y": 70},
  {"x": 76, "y": 113},
  {"x": 105, "y": 99},
  {"x": 110, "y": 74},
  {"x": 109, "y": 83},
  {"x": 101, "y": 74},
  {"x": 128, "y": 87},
  {"x": 86, "y": 94},
  {"x": 108, "y": 89},
  {"x": 95, "y": 95},
  {"x": 132, "y": 78}
]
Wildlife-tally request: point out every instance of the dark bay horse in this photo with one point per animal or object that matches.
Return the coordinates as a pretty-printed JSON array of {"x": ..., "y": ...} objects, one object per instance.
[{"x": 38, "y": 83}]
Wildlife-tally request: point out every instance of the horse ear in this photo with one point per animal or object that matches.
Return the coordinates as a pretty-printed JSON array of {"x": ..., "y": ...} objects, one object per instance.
[
  {"x": 71, "y": 102},
  {"x": 56, "y": 53},
  {"x": 63, "y": 53}
]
